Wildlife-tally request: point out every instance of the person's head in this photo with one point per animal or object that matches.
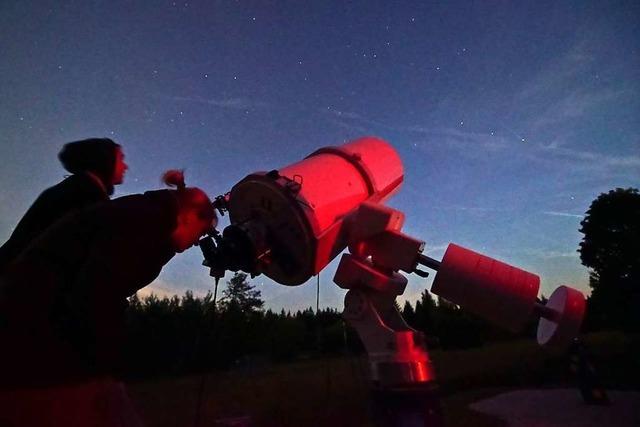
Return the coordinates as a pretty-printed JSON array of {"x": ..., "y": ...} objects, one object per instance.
[
  {"x": 100, "y": 156},
  {"x": 119, "y": 168},
  {"x": 196, "y": 215}
]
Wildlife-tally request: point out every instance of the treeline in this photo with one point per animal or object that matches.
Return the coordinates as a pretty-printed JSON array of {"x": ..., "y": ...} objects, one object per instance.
[
  {"x": 184, "y": 335},
  {"x": 178, "y": 335}
]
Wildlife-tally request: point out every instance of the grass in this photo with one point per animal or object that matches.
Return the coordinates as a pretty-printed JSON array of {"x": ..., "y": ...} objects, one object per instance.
[{"x": 334, "y": 392}]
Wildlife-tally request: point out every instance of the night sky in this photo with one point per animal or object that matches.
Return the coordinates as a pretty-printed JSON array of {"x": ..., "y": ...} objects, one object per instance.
[{"x": 510, "y": 117}]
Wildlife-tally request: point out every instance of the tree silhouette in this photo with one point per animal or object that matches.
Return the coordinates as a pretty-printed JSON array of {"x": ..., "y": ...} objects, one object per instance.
[
  {"x": 425, "y": 308},
  {"x": 409, "y": 313},
  {"x": 611, "y": 250},
  {"x": 242, "y": 295}
]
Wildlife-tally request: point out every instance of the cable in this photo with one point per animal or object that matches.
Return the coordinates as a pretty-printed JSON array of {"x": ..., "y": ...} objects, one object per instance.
[
  {"x": 317, "y": 293},
  {"x": 205, "y": 335}
]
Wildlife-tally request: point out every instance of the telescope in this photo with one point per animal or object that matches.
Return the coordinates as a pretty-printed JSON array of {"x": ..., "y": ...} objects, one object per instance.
[{"x": 288, "y": 224}]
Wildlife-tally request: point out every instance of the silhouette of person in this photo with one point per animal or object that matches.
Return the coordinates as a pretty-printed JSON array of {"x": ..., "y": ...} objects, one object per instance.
[
  {"x": 96, "y": 165},
  {"x": 62, "y": 304}
]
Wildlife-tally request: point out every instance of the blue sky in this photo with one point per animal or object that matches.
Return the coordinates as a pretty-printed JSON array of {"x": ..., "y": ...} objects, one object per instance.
[{"x": 510, "y": 117}]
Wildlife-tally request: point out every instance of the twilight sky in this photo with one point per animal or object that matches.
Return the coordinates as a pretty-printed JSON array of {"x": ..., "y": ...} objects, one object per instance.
[{"x": 510, "y": 117}]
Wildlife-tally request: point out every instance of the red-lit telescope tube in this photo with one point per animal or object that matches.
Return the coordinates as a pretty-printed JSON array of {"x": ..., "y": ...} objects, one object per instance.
[
  {"x": 503, "y": 294},
  {"x": 294, "y": 216}
]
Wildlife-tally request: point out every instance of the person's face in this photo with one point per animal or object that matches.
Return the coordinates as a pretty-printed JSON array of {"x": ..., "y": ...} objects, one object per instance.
[
  {"x": 120, "y": 168},
  {"x": 188, "y": 230}
]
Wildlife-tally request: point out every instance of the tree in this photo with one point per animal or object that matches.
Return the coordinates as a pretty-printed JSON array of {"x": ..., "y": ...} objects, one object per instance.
[
  {"x": 611, "y": 250},
  {"x": 425, "y": 309},
  {"x": 409, "y": 313},
  {"x": 242, "y": 295}
]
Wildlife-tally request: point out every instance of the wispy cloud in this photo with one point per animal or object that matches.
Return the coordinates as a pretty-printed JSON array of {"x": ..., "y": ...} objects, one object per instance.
[
  {"x": 564, "y": 214},
  {"x": 574, "y": 105},
  {"x": 230, "y": 103},
  {"x": 557, "y": 100},
  {"x": 589, "y": 158},
  {"x": 559, "y": 73},
  {"x": 451, "y": 137},
  {"x": 460, "y": 139},
  {"x": 548, "y": 254},
  {"x": 355, "y": 120},
  {"x": 353, "y": 127},
  {"x": 473, "y": 209}
]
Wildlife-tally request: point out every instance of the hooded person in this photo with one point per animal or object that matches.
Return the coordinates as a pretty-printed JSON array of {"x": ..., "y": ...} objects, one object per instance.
[
  {"x": 63, "y": 301},
  {"x": 95, "y": 164}
]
